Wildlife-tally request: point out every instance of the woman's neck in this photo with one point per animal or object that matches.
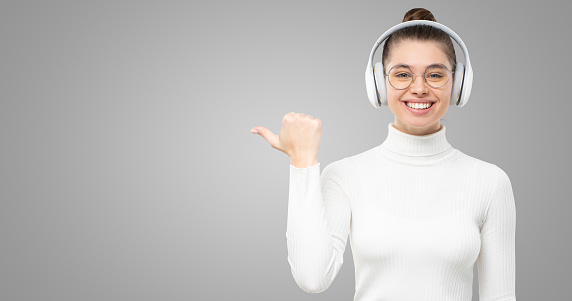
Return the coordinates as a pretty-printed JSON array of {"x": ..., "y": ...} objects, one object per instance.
[
  {"x": 416, "y": 145},
  {"x": 417, "y": 131}
]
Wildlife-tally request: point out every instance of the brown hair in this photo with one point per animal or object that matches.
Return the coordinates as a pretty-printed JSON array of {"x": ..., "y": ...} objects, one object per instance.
[{"x": 420, "y": 33}]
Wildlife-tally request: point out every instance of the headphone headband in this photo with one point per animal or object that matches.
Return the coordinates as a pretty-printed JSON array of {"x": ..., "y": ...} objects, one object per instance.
[{"x": 463, "y": 72}]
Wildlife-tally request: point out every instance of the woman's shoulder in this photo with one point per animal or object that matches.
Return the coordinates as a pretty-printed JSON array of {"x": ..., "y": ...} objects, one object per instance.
[
  {"x": 343, "y": 167},
  {"x": 365, "y": 156},
  {"x": 489, "y": 168}
]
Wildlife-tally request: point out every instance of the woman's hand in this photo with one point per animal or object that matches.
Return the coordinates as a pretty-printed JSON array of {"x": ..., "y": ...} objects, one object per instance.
[{"x": 299, "y": 138}]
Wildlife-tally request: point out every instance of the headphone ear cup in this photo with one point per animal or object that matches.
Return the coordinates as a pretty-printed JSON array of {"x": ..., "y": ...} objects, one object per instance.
[
  {"x": 380, "y": 83},
  {"x": 457, "y": 83},
  {"x": 467, "y": 86},
  {"x": 370, "y": 87}
]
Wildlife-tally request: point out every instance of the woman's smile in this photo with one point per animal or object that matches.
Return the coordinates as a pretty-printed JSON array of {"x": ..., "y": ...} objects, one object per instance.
[{"x": 418, "y": 108}]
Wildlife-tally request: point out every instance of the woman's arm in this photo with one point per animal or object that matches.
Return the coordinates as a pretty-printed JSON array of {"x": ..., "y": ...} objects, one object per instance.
[
  {"x": 496, "y": 261},
  {"x": 318, "y": 224}
]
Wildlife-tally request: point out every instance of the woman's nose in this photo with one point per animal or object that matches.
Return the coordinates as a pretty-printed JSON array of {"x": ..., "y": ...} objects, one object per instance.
[{"x": 419, "y": 86}]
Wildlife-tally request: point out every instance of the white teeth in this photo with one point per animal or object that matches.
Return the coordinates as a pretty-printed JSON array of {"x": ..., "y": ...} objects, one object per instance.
[{"x": 416, "y": 105}]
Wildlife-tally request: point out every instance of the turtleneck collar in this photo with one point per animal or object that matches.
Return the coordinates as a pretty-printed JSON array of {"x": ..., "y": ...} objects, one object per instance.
[{"x": 416, "y": 146}]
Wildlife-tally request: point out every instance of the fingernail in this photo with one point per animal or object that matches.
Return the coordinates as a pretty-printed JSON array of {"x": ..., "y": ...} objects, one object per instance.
[{"x": 254, "y": 131}]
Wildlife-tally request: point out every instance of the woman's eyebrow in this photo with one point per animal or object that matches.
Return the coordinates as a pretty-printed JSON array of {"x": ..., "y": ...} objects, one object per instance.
[{"x": 405, "y": 65}]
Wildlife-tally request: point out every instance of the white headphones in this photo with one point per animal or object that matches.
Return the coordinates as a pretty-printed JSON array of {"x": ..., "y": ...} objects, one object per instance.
[{"x": 375, "y": 78}]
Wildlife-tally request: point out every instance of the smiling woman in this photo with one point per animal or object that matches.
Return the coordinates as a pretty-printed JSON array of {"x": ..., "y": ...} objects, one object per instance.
[{"x": 419, "y": 213}]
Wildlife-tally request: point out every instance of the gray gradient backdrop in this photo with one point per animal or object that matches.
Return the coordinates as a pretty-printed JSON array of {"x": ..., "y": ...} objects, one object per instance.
[{"x": 129, "y": 171}]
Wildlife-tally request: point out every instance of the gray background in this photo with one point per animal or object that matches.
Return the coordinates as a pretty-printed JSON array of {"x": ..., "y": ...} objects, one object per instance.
[{"x": 129, "y": 171}]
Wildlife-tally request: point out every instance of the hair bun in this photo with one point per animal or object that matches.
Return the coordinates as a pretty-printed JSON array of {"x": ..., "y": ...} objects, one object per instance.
[{"x": 418, "y": 14}]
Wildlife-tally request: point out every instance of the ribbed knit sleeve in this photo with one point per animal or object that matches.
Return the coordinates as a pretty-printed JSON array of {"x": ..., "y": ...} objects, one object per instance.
[
  {"x": 496, "y": 261},
  {"x": 318, "y": 225}
]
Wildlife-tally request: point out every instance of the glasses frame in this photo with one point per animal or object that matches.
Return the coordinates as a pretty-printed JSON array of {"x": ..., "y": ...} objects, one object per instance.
[{"x": 424, "y": 78}]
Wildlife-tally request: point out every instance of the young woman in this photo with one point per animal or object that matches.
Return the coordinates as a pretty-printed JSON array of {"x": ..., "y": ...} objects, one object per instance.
[{"x": 419, "y": 213}]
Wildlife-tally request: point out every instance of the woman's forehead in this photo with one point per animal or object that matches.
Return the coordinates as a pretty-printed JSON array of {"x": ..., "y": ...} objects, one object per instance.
[{"x": 418, "y": 55}]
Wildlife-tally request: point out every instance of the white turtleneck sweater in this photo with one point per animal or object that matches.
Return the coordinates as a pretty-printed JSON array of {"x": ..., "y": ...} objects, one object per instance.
[{"x": 419, "y": 214}]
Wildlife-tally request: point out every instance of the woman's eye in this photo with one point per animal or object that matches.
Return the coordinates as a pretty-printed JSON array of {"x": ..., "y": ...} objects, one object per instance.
[
  {"x": 435, "y": 75},
  {"x": 402, "y": 75}
]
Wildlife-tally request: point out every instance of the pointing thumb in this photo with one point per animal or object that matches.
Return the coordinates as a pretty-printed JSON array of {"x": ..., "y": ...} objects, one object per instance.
[{"x": 266, "y": 134}]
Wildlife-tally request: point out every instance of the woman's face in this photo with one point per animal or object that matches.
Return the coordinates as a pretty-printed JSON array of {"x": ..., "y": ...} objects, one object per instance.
[{"x": 418, "y": 55}]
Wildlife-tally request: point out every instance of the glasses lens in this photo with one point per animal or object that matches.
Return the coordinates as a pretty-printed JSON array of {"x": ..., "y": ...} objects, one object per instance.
[
  {"x": 437, "y": 75},
  {"x": 400, "y": 77}
]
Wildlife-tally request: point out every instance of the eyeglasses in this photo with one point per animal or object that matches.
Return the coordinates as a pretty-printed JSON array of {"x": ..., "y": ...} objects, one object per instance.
[{"x": 436, "y": 75}]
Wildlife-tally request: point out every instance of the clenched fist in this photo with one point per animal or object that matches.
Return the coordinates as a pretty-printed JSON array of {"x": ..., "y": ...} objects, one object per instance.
[{"x": 299, "y": 138}]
